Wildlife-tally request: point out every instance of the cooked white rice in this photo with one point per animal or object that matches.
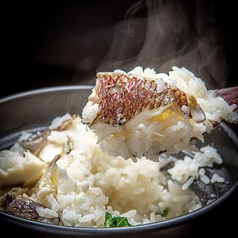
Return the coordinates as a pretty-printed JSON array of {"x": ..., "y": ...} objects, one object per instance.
[
  {"x": 164, "y": 129},
  {"x": 85, "y": 183}
]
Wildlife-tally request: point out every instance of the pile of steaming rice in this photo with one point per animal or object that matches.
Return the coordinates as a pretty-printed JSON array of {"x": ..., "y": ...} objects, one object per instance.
[
  {"x": 85, "y": 183},
  {"x": 149, "y": 108}
]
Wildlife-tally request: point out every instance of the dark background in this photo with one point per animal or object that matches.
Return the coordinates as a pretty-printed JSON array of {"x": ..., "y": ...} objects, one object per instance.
[
  {"x": 51, "y": 43},
  {"x": 48, "y": 43}
]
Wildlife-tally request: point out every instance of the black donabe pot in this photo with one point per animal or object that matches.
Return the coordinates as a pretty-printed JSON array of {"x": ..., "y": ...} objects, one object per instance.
[{"x": 34, "y": 110}]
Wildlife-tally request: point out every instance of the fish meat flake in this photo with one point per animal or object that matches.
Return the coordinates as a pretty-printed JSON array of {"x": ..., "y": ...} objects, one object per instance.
[
  {"x": 144, "y": 113},
  {"x": 122, "y": 96}
]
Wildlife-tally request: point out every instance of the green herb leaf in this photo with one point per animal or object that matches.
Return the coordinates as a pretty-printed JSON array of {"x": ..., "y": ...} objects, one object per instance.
[
  {"x": 69, "y": 148},
  {"x": 163, "y": 212},
  {"x": 113, "y": 221}
]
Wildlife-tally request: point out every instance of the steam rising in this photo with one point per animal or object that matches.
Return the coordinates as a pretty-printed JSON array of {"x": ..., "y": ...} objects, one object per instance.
[{"x": 161, "y": 34}]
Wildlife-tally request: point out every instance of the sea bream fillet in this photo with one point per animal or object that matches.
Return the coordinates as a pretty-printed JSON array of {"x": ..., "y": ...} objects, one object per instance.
[{"x": 142, "y": 113}]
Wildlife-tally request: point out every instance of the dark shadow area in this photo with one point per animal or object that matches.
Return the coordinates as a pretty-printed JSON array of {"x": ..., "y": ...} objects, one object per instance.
[{"x": 49, "y": 43}]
